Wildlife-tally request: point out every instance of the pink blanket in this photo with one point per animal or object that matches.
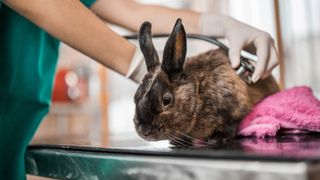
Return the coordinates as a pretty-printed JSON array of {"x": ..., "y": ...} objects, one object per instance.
[{"x": 294, "y": 110}]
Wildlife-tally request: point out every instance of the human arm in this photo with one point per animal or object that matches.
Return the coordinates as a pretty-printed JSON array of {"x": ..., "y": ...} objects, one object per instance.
[
  {"x": 74, "y": 24},
  {"x": 240, "y": 35}
]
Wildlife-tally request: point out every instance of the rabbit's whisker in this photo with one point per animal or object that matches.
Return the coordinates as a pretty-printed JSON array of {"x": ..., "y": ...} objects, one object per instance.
[
  {"x": 181, "y": 140},
  {"x": 186, "y": 135},
  {"x": 190, "y": 137},
  {"x": 193, "y": 139},
  {"x": 177, "y": 141}
]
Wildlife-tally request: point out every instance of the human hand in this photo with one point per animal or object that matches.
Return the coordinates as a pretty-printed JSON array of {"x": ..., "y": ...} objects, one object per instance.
[
  {"x": 242, "y": 36},
  {"x": 137, "y": 68}
]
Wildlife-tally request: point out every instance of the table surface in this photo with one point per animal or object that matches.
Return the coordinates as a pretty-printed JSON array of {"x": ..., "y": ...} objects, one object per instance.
[
  {"x": 285, "y": 156},
  {"x": 305, "y": 147}
]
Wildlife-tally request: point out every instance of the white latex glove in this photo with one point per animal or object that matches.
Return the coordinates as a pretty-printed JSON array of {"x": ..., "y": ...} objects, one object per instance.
[
  {"x": 137, "y": 68},
  {"x": 242, "y": 36}
]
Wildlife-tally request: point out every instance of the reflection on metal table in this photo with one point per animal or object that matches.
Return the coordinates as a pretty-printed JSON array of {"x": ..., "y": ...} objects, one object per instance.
[{"x": 284, "y": 157}]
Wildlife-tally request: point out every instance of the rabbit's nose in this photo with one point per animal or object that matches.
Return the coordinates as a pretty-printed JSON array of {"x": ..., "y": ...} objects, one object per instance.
[{"x": 146, "y": 132}]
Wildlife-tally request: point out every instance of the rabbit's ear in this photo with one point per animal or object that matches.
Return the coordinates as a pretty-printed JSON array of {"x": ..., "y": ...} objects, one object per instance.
[
  {"x": 146, "y": 45},
  {"x": 175, "y": 50}
]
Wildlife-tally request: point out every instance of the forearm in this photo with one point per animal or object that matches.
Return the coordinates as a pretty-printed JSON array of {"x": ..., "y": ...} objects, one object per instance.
[
  {"x": 163, "y": 18},
  {"x": 75, "y": 25},
  {"x": 130, "y": 15}
]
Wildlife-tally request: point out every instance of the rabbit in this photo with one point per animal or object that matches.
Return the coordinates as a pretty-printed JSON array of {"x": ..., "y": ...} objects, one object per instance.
[{"x": 202, "y": 98}]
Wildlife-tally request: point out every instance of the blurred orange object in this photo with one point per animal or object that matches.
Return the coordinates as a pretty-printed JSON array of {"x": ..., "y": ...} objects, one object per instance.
[{"x": 69, "y": 87}]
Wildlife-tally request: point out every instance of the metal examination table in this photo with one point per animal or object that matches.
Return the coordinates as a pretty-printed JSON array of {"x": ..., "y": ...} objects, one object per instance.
[{"x": 289, "y": 157}]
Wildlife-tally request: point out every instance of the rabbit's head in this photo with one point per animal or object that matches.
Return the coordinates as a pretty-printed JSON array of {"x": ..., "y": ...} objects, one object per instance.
[{"x": 165, "y": 102}]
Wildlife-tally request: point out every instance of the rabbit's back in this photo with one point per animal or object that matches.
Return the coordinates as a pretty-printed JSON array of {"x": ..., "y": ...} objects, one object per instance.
[
  {"x": 213, "y": 69},
  {"x": 225, "y": 98}
]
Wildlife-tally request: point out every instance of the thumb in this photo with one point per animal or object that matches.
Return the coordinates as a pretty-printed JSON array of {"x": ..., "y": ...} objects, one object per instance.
[{"x": 234, "y": 55}]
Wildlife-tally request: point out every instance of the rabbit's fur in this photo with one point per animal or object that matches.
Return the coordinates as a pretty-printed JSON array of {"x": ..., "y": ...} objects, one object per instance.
[{"x": 202, "y": 98}]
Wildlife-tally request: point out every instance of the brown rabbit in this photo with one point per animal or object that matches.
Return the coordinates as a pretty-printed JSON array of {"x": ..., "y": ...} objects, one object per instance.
[{"x": 202, "y": 98}]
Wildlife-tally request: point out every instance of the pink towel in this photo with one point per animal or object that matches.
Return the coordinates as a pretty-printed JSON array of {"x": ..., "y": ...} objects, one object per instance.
[{"x": 294, "y": 111}]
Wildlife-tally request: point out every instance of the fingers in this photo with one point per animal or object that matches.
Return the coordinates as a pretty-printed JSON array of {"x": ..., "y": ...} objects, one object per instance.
[
  {"x": 265, "y": 50},
  {"x": 273, "y": 61},
  {"x": 262, "y": 44},
  {"x": 234, "y": 54}
]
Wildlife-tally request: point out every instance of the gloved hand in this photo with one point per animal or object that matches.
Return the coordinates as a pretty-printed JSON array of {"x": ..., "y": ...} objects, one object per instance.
[
  {"x": 137, "y": 68},
  {"x": 242, "y": 36}
]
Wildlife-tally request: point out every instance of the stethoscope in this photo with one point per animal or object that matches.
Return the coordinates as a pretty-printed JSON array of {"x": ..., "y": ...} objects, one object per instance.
[{"x": 245, "y": 69}]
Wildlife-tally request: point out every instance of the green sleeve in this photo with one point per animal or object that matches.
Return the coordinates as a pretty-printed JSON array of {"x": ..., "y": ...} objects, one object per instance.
[{"x": 87, "y": 3}]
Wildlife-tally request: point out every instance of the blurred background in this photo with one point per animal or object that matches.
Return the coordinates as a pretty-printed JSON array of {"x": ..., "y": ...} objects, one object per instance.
[{"x": 94, "y": 106}]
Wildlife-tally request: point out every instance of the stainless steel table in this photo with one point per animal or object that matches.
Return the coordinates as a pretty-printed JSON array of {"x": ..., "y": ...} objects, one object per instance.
[{"x": 289, "y": 157}]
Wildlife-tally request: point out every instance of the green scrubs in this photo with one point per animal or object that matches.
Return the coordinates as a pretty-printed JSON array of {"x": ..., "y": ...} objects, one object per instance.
[{"x": 28, "y": 58}]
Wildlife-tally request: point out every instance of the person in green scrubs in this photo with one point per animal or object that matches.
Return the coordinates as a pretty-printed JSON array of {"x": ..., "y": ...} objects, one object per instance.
[{"x": 30, "y": 32}]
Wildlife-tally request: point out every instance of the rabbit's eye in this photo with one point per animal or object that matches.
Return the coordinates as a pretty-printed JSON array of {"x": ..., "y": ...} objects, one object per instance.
[{"x": 166, "y": 99}]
